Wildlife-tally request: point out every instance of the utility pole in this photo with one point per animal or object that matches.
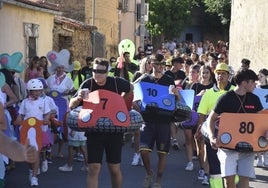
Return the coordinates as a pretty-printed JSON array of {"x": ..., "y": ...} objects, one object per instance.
[
  {"x": 142, "y": 25},
  {"x": 93, "y": 6}
]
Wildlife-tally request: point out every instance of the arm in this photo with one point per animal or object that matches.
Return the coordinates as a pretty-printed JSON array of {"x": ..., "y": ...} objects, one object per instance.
[
  {"x": 201, "y": 120},
  {"x": 17, "y": 151},
  {"x": 129, "y": 94},
  {"x": 3, "y": 125},
  {"x": 12, "y": 97},
  {"x": 213, "y": 116}
]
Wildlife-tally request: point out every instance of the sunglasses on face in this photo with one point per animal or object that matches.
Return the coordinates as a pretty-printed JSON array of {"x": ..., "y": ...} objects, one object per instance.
[
  {"x": 99, "y": 71},
  {"x": 162, "y": 64}
]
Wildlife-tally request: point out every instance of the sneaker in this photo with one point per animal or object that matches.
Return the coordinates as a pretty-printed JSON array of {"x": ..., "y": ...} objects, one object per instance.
[
  {"x": 148, "y": 180},
  {"x": 175, "y": 144},
  {"x": 189, "y": 166},
  {"x": 30, "y": 175},
  {"x": 156, "y": 185},
  {"x": 194, "y": 157},
  {"x": 34, "y": 181},
  {"x": 259, "y": 161},
  {"x": 66, "y": 168},
  {"x": 44, "y": 166},
  {"x": 136, "y": 159},
  {"x": 80, "y": 158},
  {"x": 84, "y": 168},
  {"x": 205, "y": 180},
  {"x": 49, "y": 161},
  {"x": 201, "y": 174},
  {"x": 265, "y": 159}
]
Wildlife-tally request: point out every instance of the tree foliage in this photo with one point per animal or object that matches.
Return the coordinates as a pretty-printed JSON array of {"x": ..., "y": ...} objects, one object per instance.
[
  {"x": 220, "y": 7},
  {"x": 168, "y": 17}
]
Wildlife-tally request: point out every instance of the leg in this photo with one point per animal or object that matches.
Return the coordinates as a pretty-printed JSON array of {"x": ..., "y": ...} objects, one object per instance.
[
  {"x": 136, "y": 158},
  {"x": 229, "y": 182},
  {"x": 70, "y": 155},
  {"x": 173, "y": 136},
  {"x": 189, "y": 148},
  {"x": 93, "y": 175},
  {"x": 161, "y": 167},
  {"x": 145, "y": 155},
  {"x": 243, "y": 182},
  {"x": 201, "y": 154},
  {"x": 116, "y": 175}
]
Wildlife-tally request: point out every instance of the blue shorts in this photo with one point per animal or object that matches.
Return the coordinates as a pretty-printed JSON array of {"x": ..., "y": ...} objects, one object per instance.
[
  {"x": 158, "y": 133},
  {"x": 111, "y": 143}
]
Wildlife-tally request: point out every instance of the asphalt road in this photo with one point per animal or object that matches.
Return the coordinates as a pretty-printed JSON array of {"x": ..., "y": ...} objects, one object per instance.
[{"x": 174, "y": 177}]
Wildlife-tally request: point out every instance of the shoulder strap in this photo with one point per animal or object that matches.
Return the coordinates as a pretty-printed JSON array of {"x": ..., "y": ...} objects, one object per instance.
[{"x": 115, "y": 84}]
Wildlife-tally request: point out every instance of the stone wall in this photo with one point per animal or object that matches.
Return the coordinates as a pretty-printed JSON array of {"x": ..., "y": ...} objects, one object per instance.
[
  {"x": 74, "y": 9},
  {"x": 74, "y": 36},
  {"x": 248, "y": 33}
]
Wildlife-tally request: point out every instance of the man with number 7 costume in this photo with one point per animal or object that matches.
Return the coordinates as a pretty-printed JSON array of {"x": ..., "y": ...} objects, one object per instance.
[
  {"x": 98, "y": 141},
  {"x": 239, "y": 100}
]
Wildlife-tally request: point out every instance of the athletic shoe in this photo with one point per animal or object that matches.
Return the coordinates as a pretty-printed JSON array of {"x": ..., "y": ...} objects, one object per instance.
[
  {"x": 148, "y": 180},
  {"x": 84, "y": 168},
  {"x": 34, "y": 181},
  {"x": 259, "y": 160},
  {"x": 201, "y": 174},
  {"x": 49, "y": 161},
  {"x": 137, "y": 160},
  {"x": 175, "y": 144},
  {"x": 44, "y": 166},
  {"x": 156, "y": 185},
  {"x": 265, "y": 159},
  {"x": 205, "y": 180},
  {"x": 66, "y": 168},
  {"x": 189, "y": 166},
  {"x": 30, "y": 175}
]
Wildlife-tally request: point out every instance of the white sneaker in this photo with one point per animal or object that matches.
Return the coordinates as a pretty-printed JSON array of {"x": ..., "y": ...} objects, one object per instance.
[
  {"x": 189, "y": 166},
  {"x": 205, "y": 180},
  {"x": 201, "y": 174},
  {"x": 265, "y": 159},
  {"x": 44, "y": 166},
  {"x": 66, "y": 168},
  {"x": 259, "y": 160},
  {"x": 136, "y": 159},
  {"x": 30, "y": 175},
  {"x": 34, "y": 181}
]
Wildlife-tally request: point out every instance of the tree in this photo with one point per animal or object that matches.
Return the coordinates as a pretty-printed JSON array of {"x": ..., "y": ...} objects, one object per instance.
[
  {"x": 168, "y": 17},
  {"x": 220, "y": 7}
]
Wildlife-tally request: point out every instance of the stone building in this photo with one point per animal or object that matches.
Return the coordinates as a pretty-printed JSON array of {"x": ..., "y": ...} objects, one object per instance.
[
  {"x": 248, "y": 33},
  {"x": 73, "y": 35}
]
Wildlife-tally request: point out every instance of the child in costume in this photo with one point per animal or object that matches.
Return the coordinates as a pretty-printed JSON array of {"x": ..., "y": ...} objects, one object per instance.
[
  {"x": 47, "y": 135},
  {"x": 34, "y": 106}
]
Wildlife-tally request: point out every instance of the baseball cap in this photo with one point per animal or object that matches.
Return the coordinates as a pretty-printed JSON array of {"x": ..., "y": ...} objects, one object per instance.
[{"x": 222, "y": 67}]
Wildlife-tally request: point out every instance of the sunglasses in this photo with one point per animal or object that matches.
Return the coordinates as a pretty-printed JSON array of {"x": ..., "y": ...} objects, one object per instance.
[
  {"x": 162, "y": 64},
  {"x": 99, "y": 71}
]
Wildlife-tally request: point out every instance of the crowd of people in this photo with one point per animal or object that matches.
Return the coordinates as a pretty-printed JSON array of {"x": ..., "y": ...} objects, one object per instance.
[{"x": 53, "y": 85}]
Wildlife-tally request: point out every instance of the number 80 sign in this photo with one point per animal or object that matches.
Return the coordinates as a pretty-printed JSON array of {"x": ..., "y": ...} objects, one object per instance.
[{"x": 243, "y": 129}]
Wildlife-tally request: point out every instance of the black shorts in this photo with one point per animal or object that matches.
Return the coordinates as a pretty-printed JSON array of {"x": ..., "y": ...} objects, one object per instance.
[
  {"x": 213, "y": 161},
  {"x": 158, "y": 133},
  {"x": 111, "y": 143}
]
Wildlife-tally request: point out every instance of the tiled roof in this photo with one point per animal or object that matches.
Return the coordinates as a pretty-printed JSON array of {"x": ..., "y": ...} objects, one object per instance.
[
  {"x": 74, "y": 23},
  {"x": 41, "y": 3}
]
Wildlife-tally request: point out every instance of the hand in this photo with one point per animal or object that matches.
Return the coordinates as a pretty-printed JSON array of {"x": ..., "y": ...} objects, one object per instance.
[
  {"x": 198, "y": 135},
  {"x": 31, "y": 153},
  {"x": 213, "y": 143}
]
